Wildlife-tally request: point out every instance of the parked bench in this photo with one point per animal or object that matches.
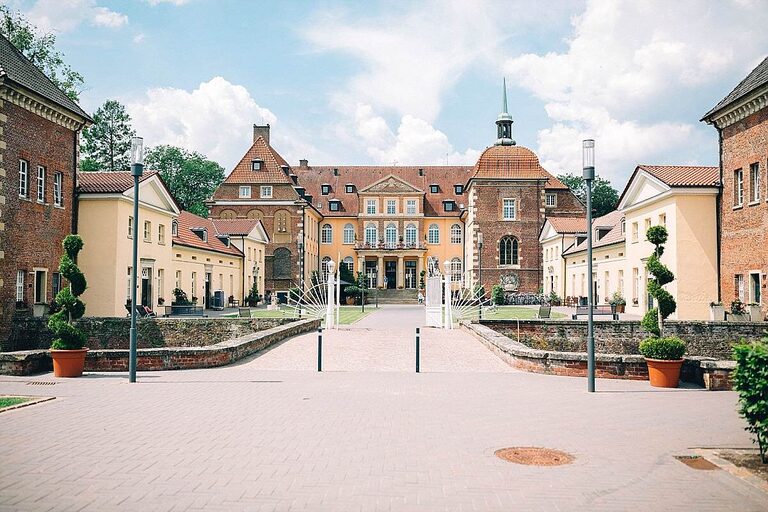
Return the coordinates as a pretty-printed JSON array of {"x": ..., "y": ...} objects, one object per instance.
[
  {"x": 596, "y": 311},
  {"x": 184, "y": 311},
  {"x": 544, "y": 312}
]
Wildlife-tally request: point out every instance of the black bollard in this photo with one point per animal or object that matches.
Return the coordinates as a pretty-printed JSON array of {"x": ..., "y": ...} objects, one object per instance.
[
  {"x": 417, "y": 348},
  {"x": 320, "y": 349}
]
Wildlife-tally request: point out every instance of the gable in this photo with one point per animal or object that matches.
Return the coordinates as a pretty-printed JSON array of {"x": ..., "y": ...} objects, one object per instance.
[
  {"x": 547, "y": 231},
  {"x": 152, "y": 192},
  {"x": 390, "y": 185},
  {"x": 642, "y": 187}
]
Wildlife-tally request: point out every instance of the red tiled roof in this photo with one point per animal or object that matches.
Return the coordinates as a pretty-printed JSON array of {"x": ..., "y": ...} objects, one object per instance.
[
  {"x": 513, "y": 162},
  {"x": 445, "y": 177},
  {"x": 569, "y": 224},
  {"x": 271, "y": 171},
  {"x": 685, "y": 175},
  {"x": 235, "y": 227},
  {"x": 185, "y": 236},
  {"x": 103, "y": 182},
  {"x": 611, "y": 220}
]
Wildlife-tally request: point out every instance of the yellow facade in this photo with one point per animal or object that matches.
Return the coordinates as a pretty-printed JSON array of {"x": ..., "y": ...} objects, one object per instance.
[
  {"x": 608, "y": 267},
  {"x": 197, "y": 271}
]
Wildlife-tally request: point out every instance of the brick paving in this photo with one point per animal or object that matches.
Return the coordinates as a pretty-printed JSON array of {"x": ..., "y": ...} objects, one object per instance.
[{"x": 258, "y": 436}]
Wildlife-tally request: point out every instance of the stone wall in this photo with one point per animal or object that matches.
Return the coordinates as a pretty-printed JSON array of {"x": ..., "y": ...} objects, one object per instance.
[
  {"x": 704, "y": 339},
  {"x": 29, "y": 333}
]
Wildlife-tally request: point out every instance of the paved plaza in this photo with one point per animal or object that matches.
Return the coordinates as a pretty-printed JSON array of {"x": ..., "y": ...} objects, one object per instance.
[{"x": 368, "y": 433}]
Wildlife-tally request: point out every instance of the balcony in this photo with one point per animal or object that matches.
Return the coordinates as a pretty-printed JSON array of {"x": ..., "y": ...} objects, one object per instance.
[{"x": 390, "y": 246}]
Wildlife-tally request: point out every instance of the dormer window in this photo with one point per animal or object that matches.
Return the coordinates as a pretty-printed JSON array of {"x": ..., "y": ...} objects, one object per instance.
[
  {"x": 449, "y": 206},
  {"x": 421, "y": 171},
  {"x": 286, "y": 170},
  {"x": 434, "y": 189},
  {"x": 334, "y": 205},
  {"x": 601, "y": 232},
  {"x": 335, "y": 171},
  {"x": 349, "y": 188},
  {"x": 202, "y": 233},
  {"x": 458, "y": 189},
  {"x": 175, "y": 228},
  {"x": 623, "y": 226},
  {"x": 300, "y": 191},
  {"x": 325, "y": 189},
  {"x": 223, "y": 239},
  {"x": 256, "y": 164}
]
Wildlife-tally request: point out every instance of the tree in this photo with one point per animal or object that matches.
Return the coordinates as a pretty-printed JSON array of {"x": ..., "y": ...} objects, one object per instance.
[
  {"x": 604, "y": 196},
  {"x": 107, "y": 144},
  {"x": 41, "y": 51},
  {"x": 189, "y": 175},
  {"x": 653, "y": 321}
]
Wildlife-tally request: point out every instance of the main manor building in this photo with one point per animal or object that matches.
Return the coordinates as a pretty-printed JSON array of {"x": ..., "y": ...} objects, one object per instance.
[{"x": 389, "y": 221}]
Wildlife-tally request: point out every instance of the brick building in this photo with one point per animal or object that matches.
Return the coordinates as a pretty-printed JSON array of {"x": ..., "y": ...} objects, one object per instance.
[
  {"x": 39, "y": 129},
  {"x": 741, "y": 120},
  {"x": 390, "y": 221}
]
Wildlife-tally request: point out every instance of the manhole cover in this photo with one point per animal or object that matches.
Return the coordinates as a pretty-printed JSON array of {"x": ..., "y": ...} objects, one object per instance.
[
  {"x": 40, "y": 383},
  {"x": 533, "y": 456},
  {"x": 696, "y": 462}
]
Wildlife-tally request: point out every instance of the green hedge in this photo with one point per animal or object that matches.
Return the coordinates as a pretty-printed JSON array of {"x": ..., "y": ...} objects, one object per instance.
[{"x": 750, "y": 379}]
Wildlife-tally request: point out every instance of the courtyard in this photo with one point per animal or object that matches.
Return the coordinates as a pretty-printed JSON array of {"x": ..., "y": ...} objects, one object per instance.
[{"x": 368, "y": 433}]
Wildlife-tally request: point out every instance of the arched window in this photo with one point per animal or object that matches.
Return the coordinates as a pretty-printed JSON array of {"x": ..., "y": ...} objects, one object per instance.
[
  {"x": 324, "y": 268},
  {"x": 227, "y": 214},
  {"x": 255, "y": 214},
  {"x": 390, "y": 235},
  {"x": 456, "y": 269},
  {"x": 281, "y": 263},
  {"x": 349, "y": 263},
  {"x": 175, "y": 228},
  {"x": 410, "y": 235},
  {"x": 326, "y": 234},
  {"x": 349, "y": 234},
  {"x": 508, "y": 251},
  {"x": 433, "y": 235},
  {"x": 456, "y": 234},
  {"x": 281, "y": 222},
  {"x": 371, "y": 234}
]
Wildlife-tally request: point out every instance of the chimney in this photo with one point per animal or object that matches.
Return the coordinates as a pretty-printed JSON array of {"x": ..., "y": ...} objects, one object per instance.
[
  {"x": 303, "y": 163},
  {"x": 261, "y": 131}
]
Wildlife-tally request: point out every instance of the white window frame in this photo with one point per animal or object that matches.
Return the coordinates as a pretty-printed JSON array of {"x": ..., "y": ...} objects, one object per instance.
[
  {"x": 370, "y": 206},
  {"x": 326, "y": 234},
  {"x": 553, "y": 202},
  {"x": 738, "y": 188},
  {"x": 456, "y": 234},
  {"x": 509, "y": 208},
  {"x": 130, "y": 226},
  {"x": 433, "y": 234},
  {"x": 371, "y": 234},
  {"x": 265, "y": 192},
  {"x": 23, "y": 179},
  {"x": 390, "y": 235},
  {"x": 40, "y": 184},
  {"x": 349, "y": 234},
  {"x": 244, "y": 191},
  {"x": 161, "y": 234},
  {"x": 391, "y": 207},
  {"x": 754, "y": 182},
  {"x": 410, "y": 207},
  {"x": 20, "y": 275},
  {"x": 411, "y": 234},
  {"x": 147, "y": 231},
  {"x": 58, "y": 182},
  {"x": 456, "y": 270}
]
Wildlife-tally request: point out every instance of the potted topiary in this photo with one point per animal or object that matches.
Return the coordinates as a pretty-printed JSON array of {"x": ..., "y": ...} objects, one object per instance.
[
  {"x": 617, "y": 302},
  {"x": 67, "y": 348},
  {"x": 664, "y": 357}
]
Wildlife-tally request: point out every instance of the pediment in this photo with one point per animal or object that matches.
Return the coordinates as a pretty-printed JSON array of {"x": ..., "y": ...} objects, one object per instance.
[
  {"x": 548, "y": 231},
  {"x": 643, "y": 187},
  {"x": 390, "y": 185},
  {"x": 152, "y": 192}
]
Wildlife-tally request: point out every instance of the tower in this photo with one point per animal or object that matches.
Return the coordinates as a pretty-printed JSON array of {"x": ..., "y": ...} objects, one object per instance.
[{"x": 504, "y": 124}]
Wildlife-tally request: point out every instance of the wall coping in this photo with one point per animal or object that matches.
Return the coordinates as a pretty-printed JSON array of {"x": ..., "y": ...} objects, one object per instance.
[{"x": 568, "y": 321}]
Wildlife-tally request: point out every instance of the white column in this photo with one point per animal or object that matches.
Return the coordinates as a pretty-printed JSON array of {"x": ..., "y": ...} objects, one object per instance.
[{"x": 329, "y": 309}]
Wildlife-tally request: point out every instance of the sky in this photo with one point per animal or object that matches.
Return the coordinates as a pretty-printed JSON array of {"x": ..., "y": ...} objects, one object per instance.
[{"x": 415, "y": 82}]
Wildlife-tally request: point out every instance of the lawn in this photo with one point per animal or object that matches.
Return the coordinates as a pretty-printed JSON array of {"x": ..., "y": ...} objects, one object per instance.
[
  {"x": 515, "y": 312},
  {"x": 347, "y": 315},
  {"x": 8, "y": 401}
]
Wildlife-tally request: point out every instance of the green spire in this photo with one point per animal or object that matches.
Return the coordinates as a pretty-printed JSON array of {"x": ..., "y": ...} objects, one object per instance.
[{"x": 505, "y": 110}]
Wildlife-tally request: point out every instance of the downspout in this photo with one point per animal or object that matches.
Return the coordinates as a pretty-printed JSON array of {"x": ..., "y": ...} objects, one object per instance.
[
  {"x": 718, "y": 210},
  {"x": 75, "y": 202},
  {"x": 242, "y": 239}
]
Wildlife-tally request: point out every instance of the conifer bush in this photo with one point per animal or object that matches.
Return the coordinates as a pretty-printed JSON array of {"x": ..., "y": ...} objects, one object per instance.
[{"x": 68, "y": 336}]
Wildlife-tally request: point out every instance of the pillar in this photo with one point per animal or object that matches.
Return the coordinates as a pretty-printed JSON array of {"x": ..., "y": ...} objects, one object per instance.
[
  {"x": 380, "y": 272},
  {"x": 400, "y": 281},
  {"x": 419, "y": 268},
  {"x": 360, "y": 265}
]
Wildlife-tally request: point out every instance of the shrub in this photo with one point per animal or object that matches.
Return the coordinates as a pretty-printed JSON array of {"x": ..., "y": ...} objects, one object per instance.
[
  {"x": 617, "y": 299},
  {"x": 750, "y": 379},
  {"x": 666, "y": 305},
  {"x": 68, "y": 336},
  {"x": 497, "y": 294},
  {"x": 738, "y": 307},
  {"x": 180, "y": 296},
  {"x": 669, "y": 348}
]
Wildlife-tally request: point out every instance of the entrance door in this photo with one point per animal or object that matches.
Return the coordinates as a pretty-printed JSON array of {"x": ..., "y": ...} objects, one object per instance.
[
  {"x": 390, "y": 271},
  {"x": 754, "y": 284},
  {"x": 40, "y": 282},
  {"x": 207, "y": 299},
  {"x": 146, "y": 287},
  {"x": 410, "y": 274},
  {"x": 371, "y": 273}
]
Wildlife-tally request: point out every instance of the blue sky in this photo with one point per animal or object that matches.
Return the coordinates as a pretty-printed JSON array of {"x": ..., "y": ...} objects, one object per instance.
[{"x": 415, "y": 82}]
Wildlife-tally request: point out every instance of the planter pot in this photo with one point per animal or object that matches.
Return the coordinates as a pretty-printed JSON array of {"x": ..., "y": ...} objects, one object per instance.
[
  {"x": 663, "y": 373},
  {"x": 68, "y": 363},
  {"x": 42, "y": 309},
  {"x": 620, "y": 308},
  {"x": 350, "y": 301},
  {"x": 755, "y": 314},
  {"x": 738, "y": 318},
  {"x": 717, "y": 313}
]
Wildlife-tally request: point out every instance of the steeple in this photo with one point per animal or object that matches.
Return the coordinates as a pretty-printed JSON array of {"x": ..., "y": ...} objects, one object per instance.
[{"x": 504, "y": 123}]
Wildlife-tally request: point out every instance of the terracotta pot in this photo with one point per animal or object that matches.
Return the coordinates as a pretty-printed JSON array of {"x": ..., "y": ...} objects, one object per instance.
[
  {"x": 664, "y": 373},
  {"x": 620, "y": 308},
  {"x": 68, "y": 363}
]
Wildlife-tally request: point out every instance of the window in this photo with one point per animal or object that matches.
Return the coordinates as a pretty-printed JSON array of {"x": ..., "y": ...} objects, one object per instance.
[
  {"x": 130, "y": 227},
  {"x": 663, "y": 219},
  {"x": 147, "y": 231},
  {"x": 194, "y": 284},
  {"x": 635, "y": 285},
  {"x": 334, "y": 205},
  {"x": 456, "y": 234},
  {"x": 647, "y": 226},
  {"x": 371, "y": 234},
  {"x": 739, "y": 287},
  {"x": 623, "y": 226},
  {"x": 738, "y": 187},
  {"x": 58, "y": 182},
  {"x": 349, "y": 234},
  {"x": 390, "y": 235},
  {"x": 551, "y": 200},
  {"x": 161, "y": 234},
  {"x": 41, "y": 280},
  {"x": 754, "y": 183},
  {"x": 410, "y": 207},
  {"x": 175, "y": 228},
  {"x": 635, "y": 232},
  {"x": 265, "y": 192},
  {"x": 325, "y": 189},
  {"x": 391, "y": 207},
  {"x": 349, "y": 188},
  {"x": 621, "y": 282},
  {"x": 55, "y": 284},
  {"x": 449, "y": 206},
  {"x": 20, "y": 286},
  {"x": 40, "y": 184},
  {"x": 324, "y": 267},
  {"x": 410, "y": 235},
  {"x": 370, "y": 207},
  {"x": 433, "y": 234},
  {"x": 509, "y": 209},
  {"x": 178, "y": 279},
  {"x": 434, "y": 189},
  {"x": 509, "y": 251},
  {"x": 349, "y": 263},
  {"x": 458, "y": 189},
  {"x": 455, "y": 270},
  {"x": 326, "y": 234},
  {"x": 160, "y": 282},
  {"x": 256, "y": 165},
  {"x": 245, "y": 191},
  {"x": 23, "y": 178}
]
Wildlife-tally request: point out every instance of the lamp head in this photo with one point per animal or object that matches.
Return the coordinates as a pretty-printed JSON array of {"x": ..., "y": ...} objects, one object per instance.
[
  {"x": 137, "y": 156},
  {"x": 588, "y": 159}
]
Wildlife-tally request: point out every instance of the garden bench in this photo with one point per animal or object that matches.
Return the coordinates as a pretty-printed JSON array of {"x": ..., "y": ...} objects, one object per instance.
[
  {"x": 596, "y": 311},
  {"x": 184, "y": 311}
]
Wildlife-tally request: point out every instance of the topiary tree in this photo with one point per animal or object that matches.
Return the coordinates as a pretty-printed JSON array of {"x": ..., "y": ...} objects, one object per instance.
[
  {"x": 69, "y": 337},
  {"x": 653, "y": 321}
]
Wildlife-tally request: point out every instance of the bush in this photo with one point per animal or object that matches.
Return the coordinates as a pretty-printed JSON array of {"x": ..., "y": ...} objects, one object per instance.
[
  {"x": 617, "y": 299},
  {"x": 669, "y": 348},
  {"x": 738, "y": 307},
  {"x": 750, "y": 379},
  {"x": 180, "y": 297},
  {"x": 497, "y": 294}
]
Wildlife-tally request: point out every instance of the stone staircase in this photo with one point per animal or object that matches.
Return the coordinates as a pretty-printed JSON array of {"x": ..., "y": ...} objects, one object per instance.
[{"x": 397, "y": 297}]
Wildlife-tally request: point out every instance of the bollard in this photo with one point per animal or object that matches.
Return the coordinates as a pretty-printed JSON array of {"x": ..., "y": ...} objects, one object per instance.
[
  {"x": 320, "y": 349},
  {"x": 417, "y": 349}
]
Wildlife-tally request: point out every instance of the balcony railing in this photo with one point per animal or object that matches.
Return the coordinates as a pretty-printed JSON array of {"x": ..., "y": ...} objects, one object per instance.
[{"x": 389, "y": 246}]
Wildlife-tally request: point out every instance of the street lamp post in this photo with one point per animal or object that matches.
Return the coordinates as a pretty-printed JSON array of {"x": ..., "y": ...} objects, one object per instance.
[
  {"x": 588, "y": 153},
  {"x": 137, "y": 169},
  {"x": 480, "y": 272}
]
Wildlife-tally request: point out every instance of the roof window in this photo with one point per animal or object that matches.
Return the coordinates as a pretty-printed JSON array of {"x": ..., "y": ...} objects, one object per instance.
[
  {"x": 434, "y": 188},
  {"x": 335, "y": 171},
  {"x": 458, "y": 189},
  {"x": 256, "y": 164},
  {"x": 449, "y": 206},
  {"x": 202, "y": 233},
  {"x": 349, "y": 188},
  {"x": 325, "y": 189},
  {"x": 334, "y": 205}
]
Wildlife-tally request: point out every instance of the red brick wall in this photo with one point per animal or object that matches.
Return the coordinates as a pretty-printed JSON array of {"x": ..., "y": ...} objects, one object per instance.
[
  {"x": 33, "y": 231},
  {"x": 744, "y": 240}
]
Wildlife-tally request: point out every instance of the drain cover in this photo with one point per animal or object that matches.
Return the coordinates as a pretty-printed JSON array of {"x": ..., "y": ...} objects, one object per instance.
[
  {"x": 696, "y": 462},
  {"x": 533, "y": 456},
  {"x": 40, "y": 383}
]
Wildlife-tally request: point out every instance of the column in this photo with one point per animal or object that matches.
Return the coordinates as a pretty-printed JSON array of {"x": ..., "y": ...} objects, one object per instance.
[
  {"x": 419, "y": 268},
  {"x": 380, "y": 275},
  {"x": 400, "y": 281},
  {"x": 360, "y": 265}
]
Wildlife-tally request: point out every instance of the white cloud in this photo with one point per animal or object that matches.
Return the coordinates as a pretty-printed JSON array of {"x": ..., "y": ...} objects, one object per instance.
[
  {"x": 624, "y": 61},
  {"x": 172, "y": 2},
  {"x": 139, "y": 38},
  {"x": 67, "y": 15}
]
